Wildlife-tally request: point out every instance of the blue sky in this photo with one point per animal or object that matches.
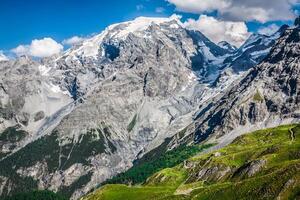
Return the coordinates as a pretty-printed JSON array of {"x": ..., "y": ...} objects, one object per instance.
[{"x": 22, "y": 21}]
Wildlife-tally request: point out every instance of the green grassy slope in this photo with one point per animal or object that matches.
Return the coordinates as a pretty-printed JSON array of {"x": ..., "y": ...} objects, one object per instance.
[
  {"x": 147, "y": 166},
  {"x": 261, "y": 165}
]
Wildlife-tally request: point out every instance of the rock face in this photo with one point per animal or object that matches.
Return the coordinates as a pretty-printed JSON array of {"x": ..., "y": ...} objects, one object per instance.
[
  {"x": 297, "y": 21},
  {"x": 267, "y": 96},
  {"x": 85, "y": 115},
  {"x": 253, "y": 51}
]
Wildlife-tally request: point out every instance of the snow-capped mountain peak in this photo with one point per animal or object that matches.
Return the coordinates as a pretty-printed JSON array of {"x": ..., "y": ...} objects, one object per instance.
[
  {"x": 119, "y": 31},
  {"x": 260, "y": 39},
  {"x": 141, "y": 24}
]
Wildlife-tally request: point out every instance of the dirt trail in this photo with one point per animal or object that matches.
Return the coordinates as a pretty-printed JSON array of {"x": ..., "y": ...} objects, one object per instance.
[{"x": 292, "y": 134}]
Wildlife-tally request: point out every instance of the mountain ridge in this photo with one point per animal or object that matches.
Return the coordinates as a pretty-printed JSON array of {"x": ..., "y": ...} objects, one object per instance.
[{"x": 110, "y": 100}]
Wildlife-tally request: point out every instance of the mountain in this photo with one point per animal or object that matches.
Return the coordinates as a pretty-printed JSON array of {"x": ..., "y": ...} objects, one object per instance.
[
  {"x": 99, "y": 105},
  {"x": 74, "y": 120},
  {"x": 253, "y": 51},
  {"x": 267, "y": 96},
  {"x": 207, "y": 60},
  {"x": 260, "y": 165}
]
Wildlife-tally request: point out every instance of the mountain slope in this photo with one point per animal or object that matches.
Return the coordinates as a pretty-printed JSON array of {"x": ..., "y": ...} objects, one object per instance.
[
  {"x": 83, "y": 116},
  {"x": 100, "y": 105},
  {"x": 253, "y": 51},
  {"x": 249, "y": 168},
  {"x": 267, "y": 96}
]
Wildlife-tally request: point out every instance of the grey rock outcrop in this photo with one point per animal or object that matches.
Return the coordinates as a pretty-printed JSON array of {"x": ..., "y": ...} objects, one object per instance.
[{"x": 253, "y": 51}]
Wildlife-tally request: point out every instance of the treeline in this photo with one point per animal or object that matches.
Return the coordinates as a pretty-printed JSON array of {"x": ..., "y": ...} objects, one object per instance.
[{"x": 142, "y": 170}]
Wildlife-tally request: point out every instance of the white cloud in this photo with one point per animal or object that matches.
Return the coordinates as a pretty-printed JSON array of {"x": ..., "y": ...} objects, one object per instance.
[
  {"x": 73, "y": 40},
  {"x": 241, "y": 10},
  {"x": 268, "y": 30},
  {"x": 39, "y": 48},
  {"x": 199, "y": 6},
  {"x": 216, "y": 30},
  {"x": 21, "y": 50},
  {"x": 3, "y": 57},
  {"x": 159, "y": 10}
]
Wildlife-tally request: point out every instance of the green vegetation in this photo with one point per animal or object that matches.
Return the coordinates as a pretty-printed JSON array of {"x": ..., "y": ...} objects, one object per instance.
[
  {"x": 122, "y": 192},
  {"x": 258, "y": 97},
  {"x": 181, "y": 134},
  {"x": 89, "y": 144},
  {"x": 36, "y": 195},
  {"x": 262, "y": 165},
  {"x": 46, "y": 150},
  {"x": 12, "y": 135},
  {"x": 132, "y": 123},
  {"x": 148, "y": 166}
]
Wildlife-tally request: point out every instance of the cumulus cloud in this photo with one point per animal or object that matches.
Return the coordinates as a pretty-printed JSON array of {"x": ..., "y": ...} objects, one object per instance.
[
  {"x": 268, "y": 30},
  {"x": 199, "y": 6},
  {"x": 3, "y": 57},
  {"x": 216, "y": 30},
  {"x": 39, "y": 48},
  {"x": 73, "y": 40},
  {"x": 21, "y": 50},
  {"x": 241, "y": 10}
]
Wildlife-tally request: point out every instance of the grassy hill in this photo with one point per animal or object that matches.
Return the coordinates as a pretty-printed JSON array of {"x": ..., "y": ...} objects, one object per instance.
[
  {"x": 262, "y": 165},
  {"x": 149, "y": 165}
]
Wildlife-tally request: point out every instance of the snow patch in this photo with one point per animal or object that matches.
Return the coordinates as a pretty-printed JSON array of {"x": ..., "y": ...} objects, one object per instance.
[
  {"x": 260, "y": 53},
  {"x": 90, "y": 47},
  {"x": 56, "y": 89},
  {"x": 44, "y": 70},
  {"x": 141, "y": 24}
]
